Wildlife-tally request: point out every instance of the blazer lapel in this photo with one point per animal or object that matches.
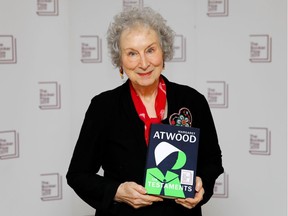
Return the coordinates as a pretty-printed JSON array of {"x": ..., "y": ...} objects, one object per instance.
[{"x": 132, "y": 115}]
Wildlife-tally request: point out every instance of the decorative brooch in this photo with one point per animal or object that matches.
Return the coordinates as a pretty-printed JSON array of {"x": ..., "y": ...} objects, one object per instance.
[{"x": 182, "y": 118}]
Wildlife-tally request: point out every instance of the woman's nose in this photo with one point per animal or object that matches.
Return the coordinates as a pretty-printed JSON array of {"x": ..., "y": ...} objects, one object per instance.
[{"x": 144, "y": 62}]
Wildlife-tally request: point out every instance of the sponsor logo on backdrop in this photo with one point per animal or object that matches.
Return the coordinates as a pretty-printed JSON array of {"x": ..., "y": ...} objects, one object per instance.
[
  {"x": 217, "y": 94},
  {"x": 179, "y": 49},
  {"x": 221, "y": 186},
  {"x": 260, "y": 48},
  {"x": 49, "y": 95},
  {"x": 217, "y": 8},
  {"x": 51, "y": 187},
  {"x": 91, "y": 49},
  {"x": 260, "y": 141},
  {"x": 47, "y": 7},
  {"x": 9, "y": 144},
  {"x": 8, "y": 49},
  {"x": 127, "y": 4}
]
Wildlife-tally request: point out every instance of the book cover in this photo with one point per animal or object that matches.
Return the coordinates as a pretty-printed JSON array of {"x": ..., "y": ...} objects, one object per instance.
[{"x": 172, "y": 161}]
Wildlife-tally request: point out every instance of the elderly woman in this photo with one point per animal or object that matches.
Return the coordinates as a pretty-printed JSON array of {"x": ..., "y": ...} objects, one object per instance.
[{"x": 115, "y": 131}]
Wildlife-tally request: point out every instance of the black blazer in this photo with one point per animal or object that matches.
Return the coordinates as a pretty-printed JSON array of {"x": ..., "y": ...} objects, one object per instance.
[{"x": 112, "y": 137}]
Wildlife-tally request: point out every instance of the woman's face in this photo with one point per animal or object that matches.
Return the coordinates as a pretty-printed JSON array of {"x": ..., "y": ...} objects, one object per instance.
[{"x": 141, "y": 56}]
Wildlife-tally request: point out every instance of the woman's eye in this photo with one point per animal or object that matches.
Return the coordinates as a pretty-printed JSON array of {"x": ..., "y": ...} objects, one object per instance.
[
  {"x": 131, "y": 54},
  {"x": 151, "y": 50}
]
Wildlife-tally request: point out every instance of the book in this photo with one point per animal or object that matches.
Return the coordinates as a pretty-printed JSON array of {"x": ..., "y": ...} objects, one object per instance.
[{"x": 171, "y": 162}]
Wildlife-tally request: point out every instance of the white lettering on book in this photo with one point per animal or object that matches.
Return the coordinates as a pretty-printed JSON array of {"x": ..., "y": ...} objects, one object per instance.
[
  {"x": 181, "y": 136},
  {"x": 169, "y": 186}
]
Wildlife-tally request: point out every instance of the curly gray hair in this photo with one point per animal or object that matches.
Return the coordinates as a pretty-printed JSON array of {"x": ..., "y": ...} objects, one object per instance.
[{"x": 135, "y": 16}]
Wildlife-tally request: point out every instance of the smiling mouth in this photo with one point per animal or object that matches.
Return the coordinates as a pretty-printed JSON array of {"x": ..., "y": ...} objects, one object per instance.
[{"x": 145, "y": 74}]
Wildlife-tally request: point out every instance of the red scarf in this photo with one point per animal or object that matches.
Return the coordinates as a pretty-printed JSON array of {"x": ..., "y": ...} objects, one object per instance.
[{"x": 160, "y": 104}]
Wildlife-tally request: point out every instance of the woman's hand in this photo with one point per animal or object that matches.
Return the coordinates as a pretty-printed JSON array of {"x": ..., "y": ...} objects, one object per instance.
[
  {"x": 134, "y": 195},
  {"x": 192, "y": 202}
]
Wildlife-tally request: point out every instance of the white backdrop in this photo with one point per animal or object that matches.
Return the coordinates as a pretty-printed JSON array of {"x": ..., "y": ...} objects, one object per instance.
[{"x": 53, "y": 60}]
